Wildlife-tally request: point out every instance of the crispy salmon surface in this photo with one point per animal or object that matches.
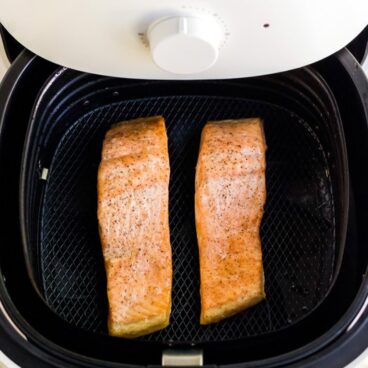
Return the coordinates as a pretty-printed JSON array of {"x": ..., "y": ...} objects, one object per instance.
[
  {"x": 133, "y": 192},
  {"x": 230, "y": 193}
]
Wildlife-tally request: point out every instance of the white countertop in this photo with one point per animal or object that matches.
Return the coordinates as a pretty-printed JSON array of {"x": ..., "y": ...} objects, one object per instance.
[{"x": 4, "y": 63}]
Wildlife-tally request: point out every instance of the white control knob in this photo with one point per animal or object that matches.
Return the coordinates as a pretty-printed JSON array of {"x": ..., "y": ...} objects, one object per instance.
[{"x": 184, "y": 45}]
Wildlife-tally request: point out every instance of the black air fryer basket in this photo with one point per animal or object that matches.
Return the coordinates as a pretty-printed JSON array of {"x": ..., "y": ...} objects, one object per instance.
[{"x": 304, "y": 225}]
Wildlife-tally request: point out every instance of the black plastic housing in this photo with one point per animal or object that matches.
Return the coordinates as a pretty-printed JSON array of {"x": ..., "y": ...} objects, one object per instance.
[{"x": 323, "y": 338}]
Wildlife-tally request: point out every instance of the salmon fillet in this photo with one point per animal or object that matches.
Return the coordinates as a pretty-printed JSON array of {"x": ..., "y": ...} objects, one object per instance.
[
  {"x": 133, "y": 191},
  {"x": 230, "y": 193}
]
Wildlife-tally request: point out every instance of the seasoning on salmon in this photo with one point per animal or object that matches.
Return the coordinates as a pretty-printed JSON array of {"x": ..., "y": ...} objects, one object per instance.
[
  {"x": 230, "y": 193},
  {"x": 133, "y": 191}
]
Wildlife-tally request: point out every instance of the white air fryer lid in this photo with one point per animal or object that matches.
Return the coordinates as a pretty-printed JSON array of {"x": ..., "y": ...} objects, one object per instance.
[{"x": 184, "y": 39}]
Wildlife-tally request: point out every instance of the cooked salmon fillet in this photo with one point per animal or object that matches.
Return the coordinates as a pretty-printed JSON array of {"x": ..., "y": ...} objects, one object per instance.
[
  {"x": 230, "y": 193},
  {"x": 133, "y": 191}
]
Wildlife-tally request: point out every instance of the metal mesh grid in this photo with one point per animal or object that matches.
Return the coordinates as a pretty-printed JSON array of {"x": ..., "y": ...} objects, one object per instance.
[{"x": 298, "y": 229}]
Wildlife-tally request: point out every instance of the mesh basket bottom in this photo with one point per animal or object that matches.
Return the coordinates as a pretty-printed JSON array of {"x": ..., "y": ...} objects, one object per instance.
[{"x": 298, "y": 227}]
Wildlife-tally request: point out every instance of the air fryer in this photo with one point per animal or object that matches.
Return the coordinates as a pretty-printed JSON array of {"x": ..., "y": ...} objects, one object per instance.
[{"x": 53, "y": 120}]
